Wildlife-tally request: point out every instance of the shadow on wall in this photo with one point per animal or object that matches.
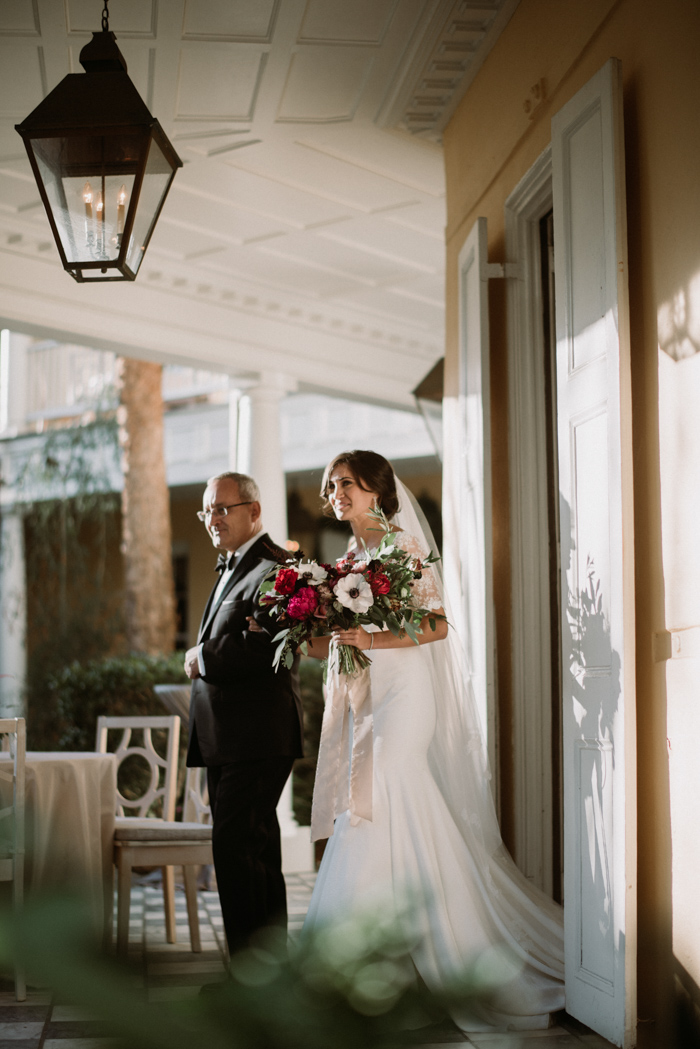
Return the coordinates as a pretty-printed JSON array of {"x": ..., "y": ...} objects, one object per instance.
[
  {"x": 593, "y": 690},
  {"x": 687, "y": 1002},
  {"x": 678, "y": 322}
]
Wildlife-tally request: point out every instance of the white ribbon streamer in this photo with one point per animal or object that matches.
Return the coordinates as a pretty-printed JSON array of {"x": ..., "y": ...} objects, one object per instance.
[{"x": 344, "y": 693}]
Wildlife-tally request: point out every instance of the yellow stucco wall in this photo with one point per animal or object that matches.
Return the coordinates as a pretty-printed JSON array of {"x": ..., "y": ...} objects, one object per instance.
[{"x": 490, "y": 144}]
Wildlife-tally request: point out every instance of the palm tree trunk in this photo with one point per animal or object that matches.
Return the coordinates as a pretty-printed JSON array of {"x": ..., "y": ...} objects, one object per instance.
[{"x": 146, "y": 534}]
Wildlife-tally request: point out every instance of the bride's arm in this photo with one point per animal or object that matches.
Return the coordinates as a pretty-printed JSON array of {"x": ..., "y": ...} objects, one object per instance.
[
  {"x": 361, "y": 638},
  {"x": 317, "y": 647}
]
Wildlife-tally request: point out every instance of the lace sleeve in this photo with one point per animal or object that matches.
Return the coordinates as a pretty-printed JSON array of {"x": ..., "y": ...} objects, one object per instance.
[{"x": 426, "y": 590}]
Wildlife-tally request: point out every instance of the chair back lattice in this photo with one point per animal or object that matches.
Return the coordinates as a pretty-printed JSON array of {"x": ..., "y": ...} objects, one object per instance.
[
  {"x": 196, "y": 808},
  {"x": 164, "y": 790},
  {"x": 13, "y": 732}
]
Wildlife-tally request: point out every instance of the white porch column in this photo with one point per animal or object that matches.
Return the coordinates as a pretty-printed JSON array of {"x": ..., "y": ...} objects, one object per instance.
[
  {"x": 13, "y": 381},
  {"x": 13, "y": 614},
  {"x": 259, "y": 450},
  {"x": 235, "y": 394},
  {"x": 255, "y": 447}
]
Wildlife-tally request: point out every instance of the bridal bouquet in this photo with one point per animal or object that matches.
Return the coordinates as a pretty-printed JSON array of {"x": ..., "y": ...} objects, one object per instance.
[{"x": 309, "y": 599}]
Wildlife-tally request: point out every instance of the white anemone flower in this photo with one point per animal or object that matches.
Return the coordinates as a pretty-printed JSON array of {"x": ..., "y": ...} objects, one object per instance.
[
  {"x": 354, "y": 592},
  {"x": 312, "y": 573}
]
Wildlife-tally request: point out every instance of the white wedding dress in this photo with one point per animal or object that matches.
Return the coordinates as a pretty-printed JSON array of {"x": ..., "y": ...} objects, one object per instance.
[{"x": 433, "y": 841}]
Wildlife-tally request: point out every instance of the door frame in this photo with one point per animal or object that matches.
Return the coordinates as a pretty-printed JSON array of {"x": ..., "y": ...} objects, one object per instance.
[{"x": 529, "y": 542}]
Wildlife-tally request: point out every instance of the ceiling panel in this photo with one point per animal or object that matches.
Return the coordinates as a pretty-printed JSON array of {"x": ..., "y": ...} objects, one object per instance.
[
  {"x": 417, "y": 164},
  {"x": 18, "y": 194},
  {"x": 428, "y": 288},
  {"x": 250, "y": 20},
  {"x": 278, "y": 272},
  {"x": 324, "y": 84},
  {"x": 218, "y": 82},
  {"x": 340, "y": 259},
  {"x": 374, "y": 234},
  {"x": 411, "y": 311},
  {"x": 428, "y": 216},
  {"x": 264, "y": 196},
  {"x": 293, "y": 165},
  {"x": 170, "y": 240},
  {"x": 22, "y": 84},
  {"x": 128, "y": 17},
  {"x": 19, "y": 17},
  {"x": 337, "y": 21},
  {"x": 219, "y": 218}
]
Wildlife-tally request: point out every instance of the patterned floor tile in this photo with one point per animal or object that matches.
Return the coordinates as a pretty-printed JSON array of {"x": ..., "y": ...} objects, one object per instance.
[
  {"x": 20, "y": 1031},
  {"x": 80, "y": 1043},
  {"x": 30, "y": 1011}
]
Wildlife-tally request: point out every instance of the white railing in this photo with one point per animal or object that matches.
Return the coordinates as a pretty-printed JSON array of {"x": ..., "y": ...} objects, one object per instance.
[
  {"x": 182, "y": 384},
  {"x": 64, "y": 380}
]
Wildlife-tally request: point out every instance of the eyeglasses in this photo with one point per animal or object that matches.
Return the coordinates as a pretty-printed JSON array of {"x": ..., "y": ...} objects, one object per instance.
[{"x": 219, "y": 511}]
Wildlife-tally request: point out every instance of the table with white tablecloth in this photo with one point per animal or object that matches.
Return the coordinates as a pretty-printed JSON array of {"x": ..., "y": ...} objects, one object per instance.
[{"x": 70, "y": 806}]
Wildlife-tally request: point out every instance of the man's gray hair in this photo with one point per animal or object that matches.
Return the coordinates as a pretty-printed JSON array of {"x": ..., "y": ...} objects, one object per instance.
[{"x": 247, "y": 487}]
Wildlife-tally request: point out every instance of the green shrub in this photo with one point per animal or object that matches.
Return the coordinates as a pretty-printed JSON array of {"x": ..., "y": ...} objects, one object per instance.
[{"x": 117, "y": 687}]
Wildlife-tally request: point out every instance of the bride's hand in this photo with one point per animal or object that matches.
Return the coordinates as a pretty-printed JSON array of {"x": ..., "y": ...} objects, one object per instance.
[{"x": 356, "y": 636}]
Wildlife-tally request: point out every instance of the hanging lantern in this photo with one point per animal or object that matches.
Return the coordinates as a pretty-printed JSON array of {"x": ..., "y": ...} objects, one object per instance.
[{"x": 102, "y": 163}]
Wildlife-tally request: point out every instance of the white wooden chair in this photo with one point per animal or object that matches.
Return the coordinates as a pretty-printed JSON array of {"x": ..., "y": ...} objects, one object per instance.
[
  {"x": 13, "y": 732},
  {"x": 146, "y": 841}
]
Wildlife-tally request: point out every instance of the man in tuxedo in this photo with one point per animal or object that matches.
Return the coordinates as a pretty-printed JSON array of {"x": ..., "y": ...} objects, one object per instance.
[{"x": 245, "y": 718}]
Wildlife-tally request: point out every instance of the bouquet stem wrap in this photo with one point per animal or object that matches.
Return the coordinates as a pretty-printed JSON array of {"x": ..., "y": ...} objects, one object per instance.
[{"x": 345, "y": 692}]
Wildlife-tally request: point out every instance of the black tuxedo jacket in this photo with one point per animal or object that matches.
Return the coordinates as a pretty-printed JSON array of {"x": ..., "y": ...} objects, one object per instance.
[{"x": 242, "y": 709}]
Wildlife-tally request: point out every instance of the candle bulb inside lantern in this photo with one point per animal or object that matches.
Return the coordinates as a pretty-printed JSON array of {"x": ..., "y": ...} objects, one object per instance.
[
  {"x": 100, "y": 207},
  {"x": 87, "y": 198},
  {"x": 121, "y": 208}
]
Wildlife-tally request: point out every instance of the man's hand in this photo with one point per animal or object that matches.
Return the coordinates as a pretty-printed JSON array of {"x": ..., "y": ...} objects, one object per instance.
[{"x": 192, "y": 663}]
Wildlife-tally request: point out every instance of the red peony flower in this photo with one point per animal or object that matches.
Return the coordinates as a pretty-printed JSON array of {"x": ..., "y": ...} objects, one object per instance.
[
  {"x": 286, "y": 580},
  {"x": 380, "y": 583},
  {"x": 303, "y": 603}
]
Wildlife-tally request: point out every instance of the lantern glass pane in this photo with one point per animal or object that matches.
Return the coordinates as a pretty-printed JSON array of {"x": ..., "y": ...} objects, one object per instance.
[
  {"x": 156, "y": 180},
  {"x": 88, "y": 184}
]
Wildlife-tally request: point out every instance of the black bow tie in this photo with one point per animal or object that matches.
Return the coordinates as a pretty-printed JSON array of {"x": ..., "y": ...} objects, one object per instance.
[{"x": 222, "y": 562}]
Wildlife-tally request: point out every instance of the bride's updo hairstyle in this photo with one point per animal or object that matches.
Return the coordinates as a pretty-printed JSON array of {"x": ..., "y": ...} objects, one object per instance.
[{"x": 372, "y": 472}]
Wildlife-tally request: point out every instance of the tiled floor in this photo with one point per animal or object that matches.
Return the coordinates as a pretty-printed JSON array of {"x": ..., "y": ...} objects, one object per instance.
[{"x": 170, "y": 972}]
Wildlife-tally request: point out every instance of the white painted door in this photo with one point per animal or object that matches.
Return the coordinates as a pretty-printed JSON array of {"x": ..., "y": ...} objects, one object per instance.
[
  {"x": 595, "y": 472},
  {"x": 467, "y": 483}
]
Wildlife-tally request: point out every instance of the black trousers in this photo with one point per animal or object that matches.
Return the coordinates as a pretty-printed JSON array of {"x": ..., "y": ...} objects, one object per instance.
[{"x": 246, "y": 845}]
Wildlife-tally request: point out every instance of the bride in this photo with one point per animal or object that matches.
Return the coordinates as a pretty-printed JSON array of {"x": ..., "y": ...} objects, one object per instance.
[{"x": 402, "y": 790}]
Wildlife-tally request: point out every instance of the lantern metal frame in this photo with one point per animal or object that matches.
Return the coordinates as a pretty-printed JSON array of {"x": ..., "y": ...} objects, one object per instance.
[{"x": 100, "y": 104}]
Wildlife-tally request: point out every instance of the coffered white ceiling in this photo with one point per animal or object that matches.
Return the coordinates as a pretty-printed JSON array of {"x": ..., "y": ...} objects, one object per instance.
[{"x": 305, "y": 232}]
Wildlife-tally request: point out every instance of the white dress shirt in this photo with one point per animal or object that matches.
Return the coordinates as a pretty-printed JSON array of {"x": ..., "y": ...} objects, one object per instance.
[{"x": 233, "y": 560}]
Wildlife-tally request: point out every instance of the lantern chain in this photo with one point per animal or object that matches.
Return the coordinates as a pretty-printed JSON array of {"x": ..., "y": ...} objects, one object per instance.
[{"x": 105, "y": 18}]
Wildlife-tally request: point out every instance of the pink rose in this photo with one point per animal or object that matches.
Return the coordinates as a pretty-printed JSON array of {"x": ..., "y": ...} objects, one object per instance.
[{"x": 303, "y": 603}]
